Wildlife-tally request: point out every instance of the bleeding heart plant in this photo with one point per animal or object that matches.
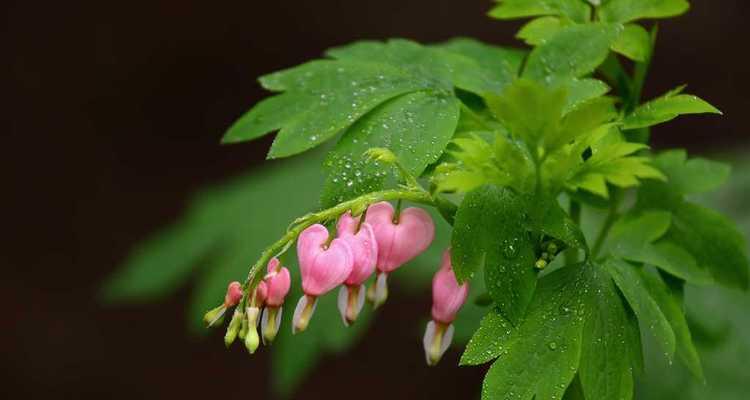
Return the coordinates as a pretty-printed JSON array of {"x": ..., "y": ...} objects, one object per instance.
[{"x": 508, "y": 146}]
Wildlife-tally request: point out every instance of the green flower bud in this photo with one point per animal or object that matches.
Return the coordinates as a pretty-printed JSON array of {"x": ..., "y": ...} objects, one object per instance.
[{"x": 234, "y": 327}]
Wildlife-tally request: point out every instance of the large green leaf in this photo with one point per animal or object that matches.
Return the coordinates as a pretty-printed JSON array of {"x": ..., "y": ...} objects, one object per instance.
[
  {"x": 576, "y": 10},
  {"x": 650, "y": 316},
  {"x": 502, "y": 64},
  {"x": 415, "y": 127},
  {"x": 634, "y": 42},
  {"x": 670, "y": 303},
  {"x": 489, "y": 233},
  {"x": 605, "y": 368},
  {"x": 573, "y": 52},
  {"x": 629, "y": 10},
  {"x": 540, "y": 357}
]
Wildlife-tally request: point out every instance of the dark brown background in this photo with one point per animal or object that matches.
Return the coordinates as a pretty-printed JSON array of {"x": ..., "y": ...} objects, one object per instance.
[{"x": 114, "y": 111}]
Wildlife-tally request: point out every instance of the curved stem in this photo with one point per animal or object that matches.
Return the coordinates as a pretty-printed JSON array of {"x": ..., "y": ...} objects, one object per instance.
[{"x": 413, "y": 194}]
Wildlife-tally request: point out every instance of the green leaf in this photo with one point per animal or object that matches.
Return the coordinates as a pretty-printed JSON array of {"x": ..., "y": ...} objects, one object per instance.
[
  {"x": 583, "y": 90},
  {"x": 713, "y": 241},
  {"x": 583, "y": 119},
  {"x": 573, "y": 52},
  {"x": 650, "y": 316},
  {"x": 635, "y": 237},
  {"x": 484, "y": 345},
  {"x": 670, "y": 304},
  {"x": 666, "y": 108},
  {"x": 558, "y": 224},
  {"x": 576, "y": 10},
  {"x": 612, "y": 162},
  {"x": 489, "y": 232},
  {"x": 540, "y": 357},
  {"x": 323, "y": 98},
  {"x": 500, "y": 63},
  {"x": 416, "y": 127},
  {"x": 634, "y": 43},
  {"x": 696, "y": 175},
  {"x": 539, "y": 30},
  {"x": 529, "y": 110},
  {"x": 630, "y": 10},
  {"x": 605, "y": 367}
]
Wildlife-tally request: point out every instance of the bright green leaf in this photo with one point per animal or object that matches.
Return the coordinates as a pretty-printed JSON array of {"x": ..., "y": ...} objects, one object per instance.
[
  {"x": 576, "y": 10},
  {"x": 539, "y": 30},
  {"x": 634, "y": 42},
  {"x": 666, "y": 108},
  {"x": 630, "y": 10},
  {"x": 489, "y": 233}
]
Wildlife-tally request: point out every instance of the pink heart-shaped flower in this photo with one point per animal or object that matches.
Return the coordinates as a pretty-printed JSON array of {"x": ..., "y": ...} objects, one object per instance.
[
  {"x": 403, "y": 240},
  {"x": 322, "y": 268},
  {"x": 447, "y": 295},
  {"x": 277, "y": 283},
  {"x": 361, "y": 240}
]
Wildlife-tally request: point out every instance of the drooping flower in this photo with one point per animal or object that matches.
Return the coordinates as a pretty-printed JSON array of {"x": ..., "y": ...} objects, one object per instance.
[
  {"x": 231, "y": 298},
  {"x": 361, "y": 240},
  {"x": 277, "y": 283},
  {"x": 399, "y": 240},
  {"x": 447, "y": 299},
  {"x": 252, "y": 311},
  {"x": 323, "y": 266}
]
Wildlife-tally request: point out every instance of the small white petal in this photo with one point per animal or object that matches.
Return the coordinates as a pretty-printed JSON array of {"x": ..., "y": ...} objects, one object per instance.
[
  {"x": 381, "y": 289},
  {"x": 301, "y": 304},
  {"x": 343, "y": 302},
  {"x": 429, "y": 336},
  {"x": 447, "y": 339},
  {"x": 360, "y": 298}
]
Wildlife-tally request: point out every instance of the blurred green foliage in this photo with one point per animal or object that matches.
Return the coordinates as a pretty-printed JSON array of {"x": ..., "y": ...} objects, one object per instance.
[{"x": 225, "y": 228}]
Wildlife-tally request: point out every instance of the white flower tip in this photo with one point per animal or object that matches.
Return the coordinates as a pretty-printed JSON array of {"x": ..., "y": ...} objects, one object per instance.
[
  {"x": 437, "y": 339},
  {"x": 350, "y": 302},
  {"x": 270, "y": 323},
  {"x": 303, "y": 313},
  {"x": 380, "y": 293}
]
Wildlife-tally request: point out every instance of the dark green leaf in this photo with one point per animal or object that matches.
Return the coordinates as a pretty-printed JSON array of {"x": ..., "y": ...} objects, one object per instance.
[
  {"x": 670, "y": 304},
  {"x": 540, "y": 357},
  {"x": 650, "y": 316},
  {"x": 629, "y": 10},
  {"x": 573, "y": 52},
  {"x": 605, "y": 367},
  {"x": 539, "y": 30},
  {"x": 489, "y": 232},
  {"x": 416, "y": 127},
  {"x": 558, "y": 224},
  {"x": 485, "y": 344}
]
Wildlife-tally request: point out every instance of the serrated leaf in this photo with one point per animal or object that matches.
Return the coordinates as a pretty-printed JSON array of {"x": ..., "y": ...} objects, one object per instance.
[
  {"x": 605, "y": 367},
  {"x": 630, "y": 10},
  {"x": 576, "y": 10},
  {"x": 634, "y": 42},
  {"x": 671, "y": 305},
  {"x": 489, "y": 233},
  {"x": 485, "y": 344},
  {"x": 540, "y": 357},
  {"x": 666, "y": 108},
  {"x": 650, "y": 316},
  {"x": 529, "y": 110},
  {"x": 573, "y": 52},
  {"x": 500, "y": 63},
  {"x": 416, "y": 127},
  {"x": 612, "y": 162}
]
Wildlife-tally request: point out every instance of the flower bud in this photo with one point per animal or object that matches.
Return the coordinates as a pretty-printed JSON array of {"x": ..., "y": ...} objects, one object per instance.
[
  {"x": 214, "y": 316},
  {"x": 303, "y": 313},
  {"x": 277, "y": 283},
  {"x": 251, "y": 336},
  {"x": 447, "y": 299},
  {"x": 234, "y": 294},
  {"x": 234, "y": 327}
]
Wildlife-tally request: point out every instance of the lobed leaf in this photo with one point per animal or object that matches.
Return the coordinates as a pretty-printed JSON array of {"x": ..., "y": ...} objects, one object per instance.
[
  {"x": 489, "y": 233},
  {"x": 666, "y": 108},
  {"x": 576, "y": 10},
  {"x": 630, "y": 10}
]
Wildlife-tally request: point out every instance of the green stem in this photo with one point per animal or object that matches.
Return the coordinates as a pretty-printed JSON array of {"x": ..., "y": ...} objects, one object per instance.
[
  {"x": 416, "y": 195},
  {"x": 571, "y": 256},
  {"x": 611, "y": 218}
]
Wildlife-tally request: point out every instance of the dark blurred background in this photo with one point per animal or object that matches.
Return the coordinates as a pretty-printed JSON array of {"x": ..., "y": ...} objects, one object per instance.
[{"x": 113, "y": 115}]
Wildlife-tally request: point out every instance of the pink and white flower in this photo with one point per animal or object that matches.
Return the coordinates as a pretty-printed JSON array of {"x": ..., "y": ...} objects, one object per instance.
[
  {"x": 361, "y": 240},
  {"x": 277, "y": 282}
]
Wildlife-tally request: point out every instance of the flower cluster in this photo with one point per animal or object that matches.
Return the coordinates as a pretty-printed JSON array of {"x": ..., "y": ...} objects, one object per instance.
[{"x": 377, "y": 242}]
